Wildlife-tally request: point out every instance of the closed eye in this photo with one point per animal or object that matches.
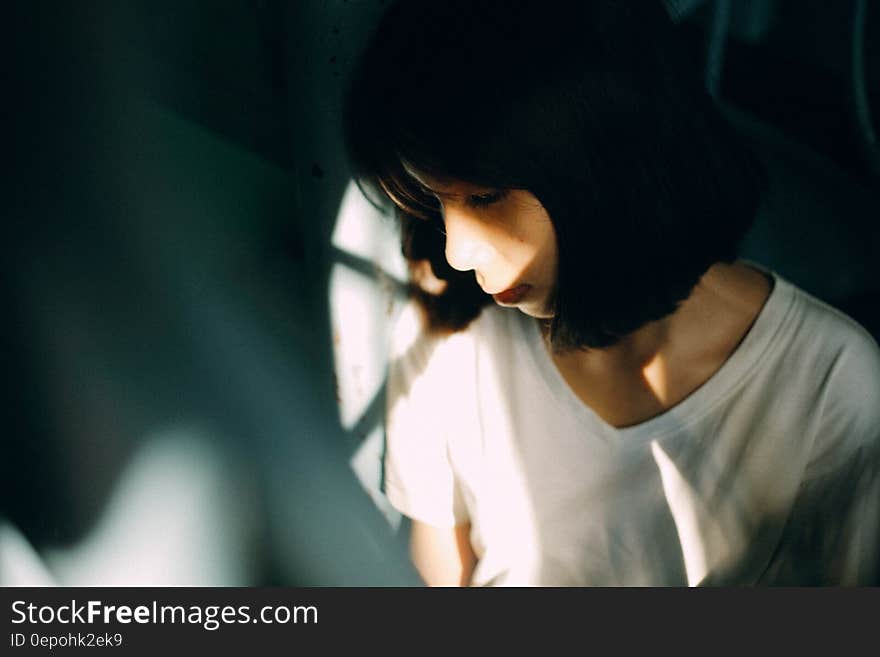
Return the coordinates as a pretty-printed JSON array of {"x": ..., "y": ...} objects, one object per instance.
[{"x": 486, "y": 199}]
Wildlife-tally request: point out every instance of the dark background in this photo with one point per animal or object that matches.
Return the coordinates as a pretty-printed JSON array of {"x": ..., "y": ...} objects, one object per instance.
[{"x": 174, "y": 170}]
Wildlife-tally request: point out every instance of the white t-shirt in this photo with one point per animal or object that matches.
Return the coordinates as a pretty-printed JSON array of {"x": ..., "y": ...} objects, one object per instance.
[{"x": 766, "y": 474}]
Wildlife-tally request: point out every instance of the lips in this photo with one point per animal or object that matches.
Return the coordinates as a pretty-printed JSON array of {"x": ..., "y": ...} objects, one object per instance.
[{"x": 513, "y": 295}]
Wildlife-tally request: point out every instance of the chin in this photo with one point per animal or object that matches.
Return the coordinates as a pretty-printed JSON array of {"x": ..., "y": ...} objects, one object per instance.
[{"x": 533, "y": 310}]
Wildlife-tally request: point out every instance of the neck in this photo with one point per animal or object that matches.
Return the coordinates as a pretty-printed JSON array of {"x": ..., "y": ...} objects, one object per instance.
[{"x": 702, "y": 332}]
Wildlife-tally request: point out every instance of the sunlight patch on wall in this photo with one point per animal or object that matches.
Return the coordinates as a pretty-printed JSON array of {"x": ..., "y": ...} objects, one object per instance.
[{"x": 363, "y": 231}]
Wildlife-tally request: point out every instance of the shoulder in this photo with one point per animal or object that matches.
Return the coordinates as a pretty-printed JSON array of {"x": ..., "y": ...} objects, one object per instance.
[
  {"x": 843, "y": 359},
  {"x": 439, "y": 380},
  {"x": 426, "y": 376},
  {"x": 822, "y": 340},
  {"x": 415, "y": 353},
  {"x": 850, "y": 353}
]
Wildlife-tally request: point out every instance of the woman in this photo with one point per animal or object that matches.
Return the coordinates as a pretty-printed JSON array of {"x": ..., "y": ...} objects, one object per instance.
[{"x": 600, "y": 393}]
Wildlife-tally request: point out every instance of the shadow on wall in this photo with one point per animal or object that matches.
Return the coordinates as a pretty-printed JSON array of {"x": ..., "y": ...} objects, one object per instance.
[{"x": 165, "y": 272}]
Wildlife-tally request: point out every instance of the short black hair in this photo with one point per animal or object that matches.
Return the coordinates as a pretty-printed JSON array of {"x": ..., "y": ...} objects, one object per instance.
[{"x": 595, "y": 107}]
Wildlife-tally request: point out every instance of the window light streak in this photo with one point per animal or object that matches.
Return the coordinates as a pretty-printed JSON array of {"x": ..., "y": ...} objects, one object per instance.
[
  {"x": 363, "y": 309},
  {"x": 363, "y": 231},
  {"x": 20, "y": 565},
  {"x": 360, "y": 336},
  {"x": 172, "y": 520},
  {"x": 655, "y": 374},
  {"x": 699, "y": 534}
]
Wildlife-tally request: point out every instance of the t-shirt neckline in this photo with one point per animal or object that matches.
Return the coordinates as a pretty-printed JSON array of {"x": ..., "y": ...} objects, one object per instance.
[{"x": 733, "y": 371}]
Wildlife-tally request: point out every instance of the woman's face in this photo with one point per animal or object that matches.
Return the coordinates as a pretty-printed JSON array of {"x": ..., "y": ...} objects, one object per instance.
[{"x": 507, "y": 239}]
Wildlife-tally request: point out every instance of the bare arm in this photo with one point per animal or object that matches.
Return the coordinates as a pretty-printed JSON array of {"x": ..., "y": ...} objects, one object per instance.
[{"x": 443, "y": 556}]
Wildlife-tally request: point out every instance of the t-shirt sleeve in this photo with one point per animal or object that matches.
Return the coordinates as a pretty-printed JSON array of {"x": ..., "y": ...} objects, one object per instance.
[
  {"x": 419, "y": 479},
  {"x": 832, "y": 536}
]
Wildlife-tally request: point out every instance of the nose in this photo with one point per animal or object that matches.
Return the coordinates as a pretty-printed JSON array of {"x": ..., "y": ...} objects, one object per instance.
[{"x": 467, "y": 241}]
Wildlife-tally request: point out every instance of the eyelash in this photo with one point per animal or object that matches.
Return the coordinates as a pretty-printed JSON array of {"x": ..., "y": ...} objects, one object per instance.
[
  {"x": 487, "y": 199},
  {"x": 480, "y": 201}
]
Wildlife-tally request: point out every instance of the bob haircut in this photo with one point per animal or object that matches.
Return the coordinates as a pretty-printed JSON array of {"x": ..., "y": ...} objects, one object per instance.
[{"x": 596, "y": 109}]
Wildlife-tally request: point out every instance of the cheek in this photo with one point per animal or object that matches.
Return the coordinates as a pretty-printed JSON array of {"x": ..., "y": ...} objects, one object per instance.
[
  {"x": 543, "y": 249},
  {"x": 528, "y": 235}
]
